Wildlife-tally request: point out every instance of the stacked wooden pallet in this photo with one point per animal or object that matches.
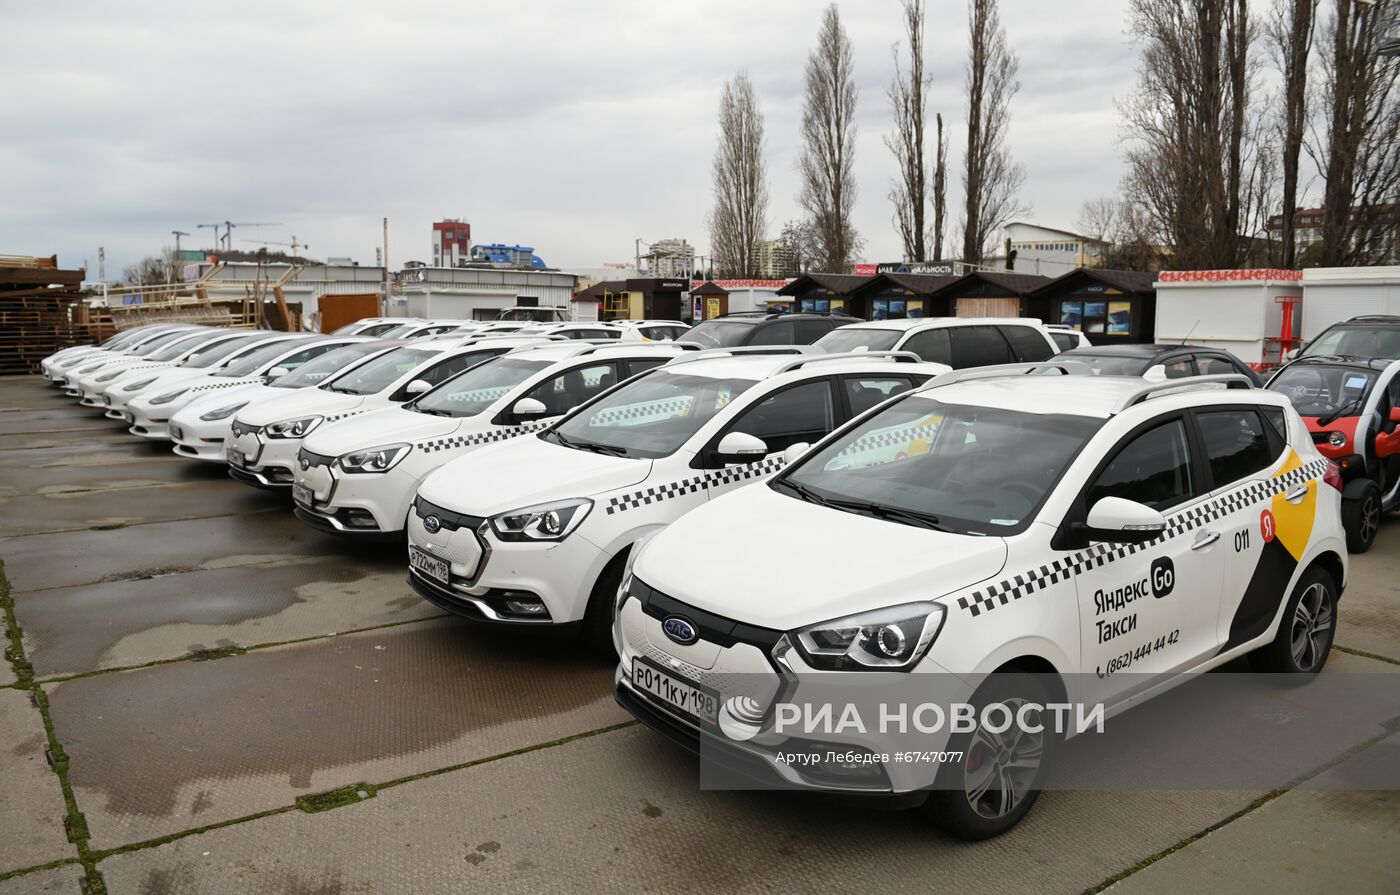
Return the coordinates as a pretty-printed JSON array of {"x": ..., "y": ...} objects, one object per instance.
[{"x": 40, "y": 311}]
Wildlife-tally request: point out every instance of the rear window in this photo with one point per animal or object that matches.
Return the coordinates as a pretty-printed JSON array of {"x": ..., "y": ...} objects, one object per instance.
[
  {"x": 978, "y": 346},
  {"x": 1028, "y": 343},
  {"x": 853, "y": 338}
]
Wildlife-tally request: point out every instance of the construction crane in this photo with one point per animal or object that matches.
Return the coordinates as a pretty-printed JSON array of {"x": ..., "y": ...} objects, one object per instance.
[
  {"x": 177, "y": 234},
  {"x": 294, "y": 244},
  {"x": 226, "y": 240}
]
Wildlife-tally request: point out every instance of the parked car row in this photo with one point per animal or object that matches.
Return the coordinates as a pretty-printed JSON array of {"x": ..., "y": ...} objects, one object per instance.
[{"x": 913, "y": 496}]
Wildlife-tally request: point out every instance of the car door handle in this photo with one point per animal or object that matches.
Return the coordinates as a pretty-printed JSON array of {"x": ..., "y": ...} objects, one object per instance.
[
  {"x": 1296, "y": 494},
  {"x": 1205, "y": 540}
]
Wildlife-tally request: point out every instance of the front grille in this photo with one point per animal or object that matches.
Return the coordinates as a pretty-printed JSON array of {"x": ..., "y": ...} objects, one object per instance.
[
  {"x": 309, "y": 459},
  {"x": 450, "y": 520},
  {"x": 245, "y": 429},
  {"x": 713, "y": 628}
]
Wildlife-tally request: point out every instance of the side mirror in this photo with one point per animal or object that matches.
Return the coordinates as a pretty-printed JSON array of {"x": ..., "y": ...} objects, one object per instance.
[
  {"x": 1292, "y": 353},
  {"x": 741, "y": 447},
  {"x": 418, "y": 386},
  {"x": 1155, "y": 373},
  {"x": 1395, "y": 414},
  {"x": 1123, "y": 521},
  {"x": 528, "y": 407},
  {"x": 277, "y": 373},
  {"x": 794, "y": 451}
]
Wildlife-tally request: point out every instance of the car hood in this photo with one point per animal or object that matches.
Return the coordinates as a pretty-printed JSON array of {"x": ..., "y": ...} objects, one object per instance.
[
  {"x": 169, "y": 380},
  {"x": 297, "y": 403},
  {"x": 248, "y": 391},
  {"x": 525, "y": 471},
  {"x": 386, "y": 425},
  {"x": 784, "y": 563}
]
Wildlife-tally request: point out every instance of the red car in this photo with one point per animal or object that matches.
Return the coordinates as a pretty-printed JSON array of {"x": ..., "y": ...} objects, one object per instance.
[{"x": 1351, "y": 405}]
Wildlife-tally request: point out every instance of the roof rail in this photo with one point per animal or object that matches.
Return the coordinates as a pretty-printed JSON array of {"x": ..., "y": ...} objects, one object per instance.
[
  {"x": 1190, "y": 383},
  {"x": 741, "y": 351},
  {"x": 1004, "y": 371},
  {"x": 1373, "y": 317},
  {"x": 594, "y": 346},
  {"x": 905, "y": 357}
]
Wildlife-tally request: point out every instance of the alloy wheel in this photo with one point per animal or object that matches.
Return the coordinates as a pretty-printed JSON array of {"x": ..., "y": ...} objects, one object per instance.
[
  {"x": 1312, "y": 626},
  {"x": 1001, "y": 768}
]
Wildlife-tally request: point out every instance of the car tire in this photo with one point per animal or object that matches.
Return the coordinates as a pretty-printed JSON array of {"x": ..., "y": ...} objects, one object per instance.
[
  {"x": 1305, "y": 634},
  {"x": 967, "y": 802},
  {"x": 598, "y": 617},
  {"x": 1361, "y": 514}
]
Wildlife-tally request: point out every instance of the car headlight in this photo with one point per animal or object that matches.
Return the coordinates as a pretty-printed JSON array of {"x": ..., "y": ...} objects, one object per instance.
[
  {"x": 1337, "y": 439},
  {"x": 542, "y": 522},
  {"x": 375, "y": 459},
  {"x": 108, "y": 377},
  {"x": 137, "y": 386},
  {"x": 296, "y": 428},
  {"x": 223, "y": 413},
  {"x": 892, "y": 639},
  {"x": 169, "y": 396},
  {"x": 92, "y": 369}
]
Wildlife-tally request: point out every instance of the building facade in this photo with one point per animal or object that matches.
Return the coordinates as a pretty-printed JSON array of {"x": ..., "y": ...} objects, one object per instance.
[
  {"x": 1048, "y": 251},
  {"x": 452, "y": 242},
  {"x": 476, "y": 293},
  {"x": 669, "y": 258},
  {"x": 775, "y": 259},
  {"x": 1377, "y": 232}
]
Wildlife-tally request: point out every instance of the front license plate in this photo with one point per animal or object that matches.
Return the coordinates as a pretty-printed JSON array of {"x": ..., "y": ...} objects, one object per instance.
[
  {"x": 429, "y": 565},
  {"x": 303, "y": 494},
  {"x": 675, "y": 691}
]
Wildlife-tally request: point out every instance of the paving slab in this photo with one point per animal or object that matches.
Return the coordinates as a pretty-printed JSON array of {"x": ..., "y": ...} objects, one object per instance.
[
  {"x": 77, "y": 452},
  {"x": 162, "y": 749},
  {"x": 1368, "y": 617},
  {"x": 16, "y": 422},
  {"x": 88, "y": 557},
  {"x": 138, "y": 472},
  {"x": 32, "y": 440},
  {"x": 119, "y": 624},
  {"x": 622, "y": 812},
  {"x": 31, "y": 800},
  {"x": 97, "y": 505},
  {"x": 31, "y": 393},
  {"x": 66, "y": 880}
]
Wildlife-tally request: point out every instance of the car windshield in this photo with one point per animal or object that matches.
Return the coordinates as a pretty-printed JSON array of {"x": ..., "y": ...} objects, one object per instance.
[
  {"x": 941, "y": 465},
  {"x": 719, "y": 333},
  {"x": 202, "y": 360},
  {"x": 398, "y": 331},
  {"x": 249, "y": 361},
  {"x": 1322, "y": 391},
  {"x": 178, "y": 347},
  {"x": 1356, "y": 341},
  {"x": 150, "y": 347},
  {"x": 650, "y": 417},
  {"x": 347, "y": 328},
  {"x": 1108, "y": 364},
  {"x": 479, "y": 387},
  {"x": 852, "y": 338},
  {"x": 314, "y": 372},
  {"x": 376, "y": 375}
]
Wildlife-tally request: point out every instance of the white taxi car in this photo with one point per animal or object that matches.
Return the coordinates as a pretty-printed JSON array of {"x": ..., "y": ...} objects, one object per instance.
[
  {"x": 115, "y": 395},
  {"x": 537, "y": 531},
  {"x": 359, "y": 476},
  {"x": 150, "y": 411},
  {"x": 93, "y": 386},
  {"x": 201, "y": 429},
  {"x": 267, "y": 435},
  {"x": 68, "y": 357},
  {"x": 1048, "y": 532},
  {"x": 87, "y": 365}
]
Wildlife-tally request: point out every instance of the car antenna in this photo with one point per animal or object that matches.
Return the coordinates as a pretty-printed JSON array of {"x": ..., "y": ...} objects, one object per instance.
[{"x": 1189, "y": 332}]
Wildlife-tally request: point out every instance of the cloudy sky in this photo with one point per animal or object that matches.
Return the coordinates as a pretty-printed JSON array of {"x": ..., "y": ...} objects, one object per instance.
[{"x": 573, "y": 127}]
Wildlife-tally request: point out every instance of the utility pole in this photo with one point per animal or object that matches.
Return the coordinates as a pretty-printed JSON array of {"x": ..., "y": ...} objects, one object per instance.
[{"x": 384, "y": 312}]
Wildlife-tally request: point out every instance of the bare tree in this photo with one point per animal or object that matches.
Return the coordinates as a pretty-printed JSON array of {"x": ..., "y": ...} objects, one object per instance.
[
  {"x": 800, "y": 240},
  {"x": 739, "y": 216},
  {"x": 1290, "y": 31},
  {"x": 826, "y": 164},
  {"x": 940, "y": 189},
  {"x": 1359, "y": 154},
  {"x": 150, "y": 270},
  {"x": 991, "y": 180},
  {"x": 910, "y": 190},
  {"x": 1125, "y": 231},
  {"x": 1200, "y": 165},
  {"x": 1099, "y": 217}
]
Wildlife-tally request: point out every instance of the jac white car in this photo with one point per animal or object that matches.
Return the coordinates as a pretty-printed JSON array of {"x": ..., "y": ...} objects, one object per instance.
[
  {"x": 56, "y": 367},
  {"x": 1043, "y": 533},
  {"x": 201, "y": 430},
  {"x": 150, "y": 411},
  {"x": 360, "y": 475},
  {"x": 116, "y": 394},
  {"x": 93, "y": 386},
  {"x": 960, "y": 342},
  {"x": 537, "y": 531},
  {"x": 267, "y": 435},
  {"x": 113, "y": 345}
]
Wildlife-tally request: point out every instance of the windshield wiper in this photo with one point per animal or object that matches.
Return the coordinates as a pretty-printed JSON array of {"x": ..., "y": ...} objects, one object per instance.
[
  {"x": 435, "y": 411},
  {"x": 866, "y": 507},
  {"x": 593, "y": 446},
  {"x": 341, "y": 391},
  {"x": 1340, "y": 411}
]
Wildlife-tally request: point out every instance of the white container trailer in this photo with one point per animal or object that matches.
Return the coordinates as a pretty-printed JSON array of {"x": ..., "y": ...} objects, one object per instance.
[
  {"x": 1334, "y": 294},
  {"x": 1240, "y": 311}
]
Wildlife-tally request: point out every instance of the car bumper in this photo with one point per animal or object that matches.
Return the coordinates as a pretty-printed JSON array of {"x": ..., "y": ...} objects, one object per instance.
[
  {"x": 357, "y": 502},
  {"x": 560, "y": 575},
  {"x": 199, "y": 439},
  {"x": 260, "y": 461}
]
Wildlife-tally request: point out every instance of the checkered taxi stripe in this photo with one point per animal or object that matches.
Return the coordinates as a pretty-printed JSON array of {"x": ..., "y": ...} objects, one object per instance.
[
  {"x": 1032, "y": 580},
  {"x": 647, "y": 410},
  {"x": 220, "y": 385},
  {"x": 346, "y": 415},
  {"x": 461, "y": 441},
  {"x": 692, "y": 485}
]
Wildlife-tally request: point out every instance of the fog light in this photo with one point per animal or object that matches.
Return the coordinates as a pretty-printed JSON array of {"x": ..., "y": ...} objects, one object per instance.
[{"x": 524, "y": 604}]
